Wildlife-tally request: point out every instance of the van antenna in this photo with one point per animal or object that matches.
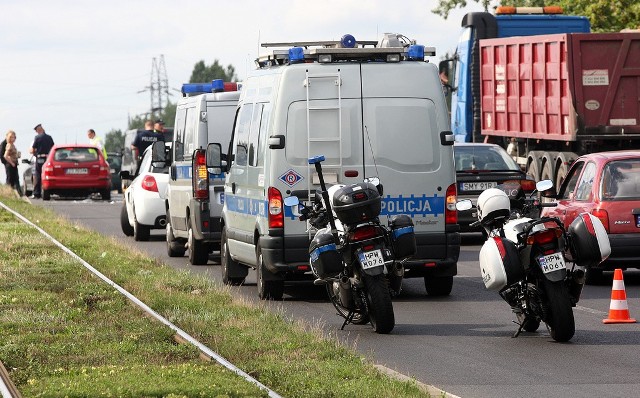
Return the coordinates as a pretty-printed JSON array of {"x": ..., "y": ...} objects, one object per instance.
[{"x": 373, "y": 156}]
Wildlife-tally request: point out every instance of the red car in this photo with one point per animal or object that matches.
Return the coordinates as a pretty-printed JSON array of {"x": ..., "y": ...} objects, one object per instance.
[
  {"x": 607, "y": 185},
  {"x": 76, "y": 170}
]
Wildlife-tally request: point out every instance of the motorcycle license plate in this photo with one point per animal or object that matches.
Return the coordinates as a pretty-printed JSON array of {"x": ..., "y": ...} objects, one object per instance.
[
  {"x": 371, "y": 259},
  {"x": 551, "y": 262}
]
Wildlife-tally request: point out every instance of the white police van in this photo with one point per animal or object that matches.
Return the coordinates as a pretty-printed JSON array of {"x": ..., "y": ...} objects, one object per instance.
[
  {"x": 204, "y": 115},
  {"x": 371, "y": 111}
]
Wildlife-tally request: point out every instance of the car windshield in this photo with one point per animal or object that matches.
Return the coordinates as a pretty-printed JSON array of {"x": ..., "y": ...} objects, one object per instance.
[
  {"x": 483, "y": 158},
  {"x": 74, "y": 154},
  {"x": 621, "y": 180}
]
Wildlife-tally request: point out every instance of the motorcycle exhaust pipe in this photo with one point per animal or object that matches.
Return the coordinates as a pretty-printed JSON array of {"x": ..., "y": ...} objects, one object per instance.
[
  {"x": 344, "y": 292},
  {"x": 576, "y": 283},
  {"x": 395, "y": 277}
]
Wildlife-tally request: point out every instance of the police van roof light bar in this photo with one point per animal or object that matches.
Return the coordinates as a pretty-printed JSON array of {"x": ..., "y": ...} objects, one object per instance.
[{"x": 216, "y": 86}]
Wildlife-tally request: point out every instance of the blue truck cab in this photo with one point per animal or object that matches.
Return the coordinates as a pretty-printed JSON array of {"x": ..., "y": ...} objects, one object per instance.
[{"x": 464, "y": 70}]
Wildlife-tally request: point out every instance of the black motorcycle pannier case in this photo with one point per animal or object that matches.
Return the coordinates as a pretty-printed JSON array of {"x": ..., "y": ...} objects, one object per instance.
[
  {"x": 589, "y": 245},
  {"x": 402, "y": 236},
  {"x": 357, "y": 203},
  {"x": 325, "y": 258}
]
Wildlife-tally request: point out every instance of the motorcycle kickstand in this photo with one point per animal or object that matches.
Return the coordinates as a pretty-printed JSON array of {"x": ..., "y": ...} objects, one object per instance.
[
  {"x": 520, "y": 327},
  {"x": 348, "y": 319}
]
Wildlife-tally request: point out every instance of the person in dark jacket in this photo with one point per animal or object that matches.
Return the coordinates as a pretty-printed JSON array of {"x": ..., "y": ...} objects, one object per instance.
[{"x": 40, "y": 148}]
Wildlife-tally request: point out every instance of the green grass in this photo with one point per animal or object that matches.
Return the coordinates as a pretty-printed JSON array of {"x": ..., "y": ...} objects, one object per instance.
[{"x": 65, "y": 333}]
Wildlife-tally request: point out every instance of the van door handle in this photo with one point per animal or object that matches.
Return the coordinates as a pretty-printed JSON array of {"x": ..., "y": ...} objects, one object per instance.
[{"x": 233, "y": 187}]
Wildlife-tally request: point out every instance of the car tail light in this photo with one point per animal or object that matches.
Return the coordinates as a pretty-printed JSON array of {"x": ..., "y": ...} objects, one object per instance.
[
  {"x": 276, "y": 215},
  {"x": 363, "y": 233},
  {"x": 149, "y": 184},
  {"x": 200, "y": 175},
  {"x": 450, "y": 212},
  {"x": 527, "y": 185},
  {"x": 47, "y": 170},
  {"x": 603, "y": 216}
]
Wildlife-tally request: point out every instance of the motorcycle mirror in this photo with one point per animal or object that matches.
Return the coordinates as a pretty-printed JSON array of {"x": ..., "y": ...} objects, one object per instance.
[
  {"x": 291, "y": 201},
  {"x": 546, "y": 188},
  {"x": 464, "y": 204}
]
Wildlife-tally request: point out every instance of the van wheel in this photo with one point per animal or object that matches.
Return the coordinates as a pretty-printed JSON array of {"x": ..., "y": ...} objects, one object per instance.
[
  {"x": 439, "y": 285},
  {"x": 174, "y": 247},
  {"x": 233, "y": 273},
  {"x": 140, "y": 232},
  {"x": 198, "y": 250},
  {"x": 268, "y": 289},
  {"x": 127, "y": 229}
]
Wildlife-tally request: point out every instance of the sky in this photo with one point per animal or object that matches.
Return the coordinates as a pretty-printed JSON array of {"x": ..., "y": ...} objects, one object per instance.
[{"x": 73, "y": 65}]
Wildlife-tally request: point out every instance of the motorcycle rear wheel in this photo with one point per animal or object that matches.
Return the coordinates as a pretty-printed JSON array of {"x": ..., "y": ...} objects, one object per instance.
[
  {"x": 560, "y": 318},
  {"x": 358, "y": 317},
  {"x": 379, "y": 302}
]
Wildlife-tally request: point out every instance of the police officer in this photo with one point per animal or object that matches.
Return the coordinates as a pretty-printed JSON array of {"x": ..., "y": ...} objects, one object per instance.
[{"x": 40, "y": 148}]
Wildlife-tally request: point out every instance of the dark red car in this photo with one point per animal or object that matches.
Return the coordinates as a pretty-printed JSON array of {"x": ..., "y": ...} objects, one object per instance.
[
  {"x": 76, "y": 170},
  {"x": 607, "y": 185}
]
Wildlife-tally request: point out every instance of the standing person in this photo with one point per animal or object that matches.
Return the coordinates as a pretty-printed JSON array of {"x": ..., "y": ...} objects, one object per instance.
[
  {"x": 158, "y": 127},
  {"x": 97, "y": 141},
  {"x": 40, "y": 148},
  {"x": 11, "y": 156},
  {"x": 3, "y": 147},
  {"x": 146, "y": 138}
]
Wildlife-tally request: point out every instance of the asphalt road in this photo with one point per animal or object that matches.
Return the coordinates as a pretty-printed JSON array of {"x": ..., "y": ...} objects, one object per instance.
[{"x": 461, "y": 343}]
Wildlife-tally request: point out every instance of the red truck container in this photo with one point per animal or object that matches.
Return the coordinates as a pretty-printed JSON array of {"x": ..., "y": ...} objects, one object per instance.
[{"x": 559, "y": 96}]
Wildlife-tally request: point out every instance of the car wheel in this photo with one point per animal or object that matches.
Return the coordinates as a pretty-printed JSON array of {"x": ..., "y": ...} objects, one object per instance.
[
  {"x": 46, "y": 195},
  {"x": 439, "y": 285},
  {"x": 198, "y": 250},
  {"x": 594, "y": 277},
  {"x": 174, "y": 247},
  {"x": 127, "y": 229},
  {"x": 268, "y": 287},
  {"x": 105, "y": 195},
  {"x": 140, "y": 232}
]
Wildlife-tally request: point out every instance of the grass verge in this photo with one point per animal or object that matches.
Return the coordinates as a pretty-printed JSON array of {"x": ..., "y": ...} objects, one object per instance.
[{"x": 65, "y": 333}]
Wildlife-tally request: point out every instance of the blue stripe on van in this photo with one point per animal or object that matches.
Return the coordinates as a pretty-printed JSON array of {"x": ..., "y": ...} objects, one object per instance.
[
  {"x": 413, "y": 205},
  {"x": 239, "y": 204},
  {"x": 183, "y": 172}
]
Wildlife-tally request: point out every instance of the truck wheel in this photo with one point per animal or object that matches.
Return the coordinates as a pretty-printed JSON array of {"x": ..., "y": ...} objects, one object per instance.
[
  {"x": 198, "y": 250},
  {"x": 174, "y": 247},
  {"x": 379, "y": 302},
  {"x": 548, "y": 171},
  {"x": 533, "y": 170},
  {"x": 233, "y": 273},
  {"x": 127, "y": 229},
  {"x": 268, "y": 288},
  {"x": 438, "y": 285}
]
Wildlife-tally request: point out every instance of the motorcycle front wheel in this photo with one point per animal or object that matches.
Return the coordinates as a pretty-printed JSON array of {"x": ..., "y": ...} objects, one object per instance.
[
  {"x": 379, "y": 302},
  {"x": 560, "y": 318}
]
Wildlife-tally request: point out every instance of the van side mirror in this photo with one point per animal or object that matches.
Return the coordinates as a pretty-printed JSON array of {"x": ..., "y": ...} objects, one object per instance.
[
  {"x": 158, "y": 152},
  {"x": 276, "y": 142},
  {"x": 214, "y": 158}
]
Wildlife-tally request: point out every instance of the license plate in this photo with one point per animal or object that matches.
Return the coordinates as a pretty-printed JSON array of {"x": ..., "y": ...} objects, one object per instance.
[
  {"x": 77, "y": 171},
  {"x": 477, "y": 186},
  {"x": 551, "y": 262},
  {"x": 371, "y": 259}
]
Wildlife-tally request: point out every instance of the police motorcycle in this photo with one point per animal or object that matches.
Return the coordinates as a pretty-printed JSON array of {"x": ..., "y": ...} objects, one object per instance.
[
  {"x": 359, "y": 260},
  {"x": 525, "y": 256}
]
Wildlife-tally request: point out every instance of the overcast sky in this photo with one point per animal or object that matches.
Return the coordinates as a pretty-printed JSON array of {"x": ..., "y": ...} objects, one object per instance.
[{"x": 74, "y": 65}]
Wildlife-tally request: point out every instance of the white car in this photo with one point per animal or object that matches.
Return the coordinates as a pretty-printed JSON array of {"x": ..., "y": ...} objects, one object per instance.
[{"x": 143, "y": 207}]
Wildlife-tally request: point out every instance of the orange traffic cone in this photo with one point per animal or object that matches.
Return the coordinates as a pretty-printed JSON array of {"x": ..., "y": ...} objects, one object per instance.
[{"x": 618, "y": 309}]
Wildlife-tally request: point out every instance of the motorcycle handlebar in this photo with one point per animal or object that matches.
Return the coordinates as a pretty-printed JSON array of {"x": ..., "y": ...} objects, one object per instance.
[{"x": 550, "y": 204}]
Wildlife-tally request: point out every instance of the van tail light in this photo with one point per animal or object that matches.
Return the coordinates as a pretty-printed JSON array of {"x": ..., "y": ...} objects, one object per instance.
[
  {"x": 200, "y": 177},
  {"x": 149, "y": 184},
  {"x": 450, "y": 212},
  {"x": 363, "y": 233},
  {"x": 276, "y": 214},
  {"x": 603, "y": 216}
]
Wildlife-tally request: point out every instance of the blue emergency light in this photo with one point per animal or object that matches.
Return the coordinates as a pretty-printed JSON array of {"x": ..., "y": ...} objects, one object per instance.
[
  {"x": 296, "y": 55},
  {"x": 416, "y": 52},
  {"x": 215, "y": 86},
  {"x": 316, "y": 159},
  {"x": 348, "y": 41}
]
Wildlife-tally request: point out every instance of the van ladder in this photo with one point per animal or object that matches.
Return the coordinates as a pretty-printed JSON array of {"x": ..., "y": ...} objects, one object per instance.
[{"x": 316, "y": 139}]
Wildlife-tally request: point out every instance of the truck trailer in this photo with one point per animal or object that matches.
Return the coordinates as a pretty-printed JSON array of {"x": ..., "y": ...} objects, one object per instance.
[{"x": 547, "y": 93}]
